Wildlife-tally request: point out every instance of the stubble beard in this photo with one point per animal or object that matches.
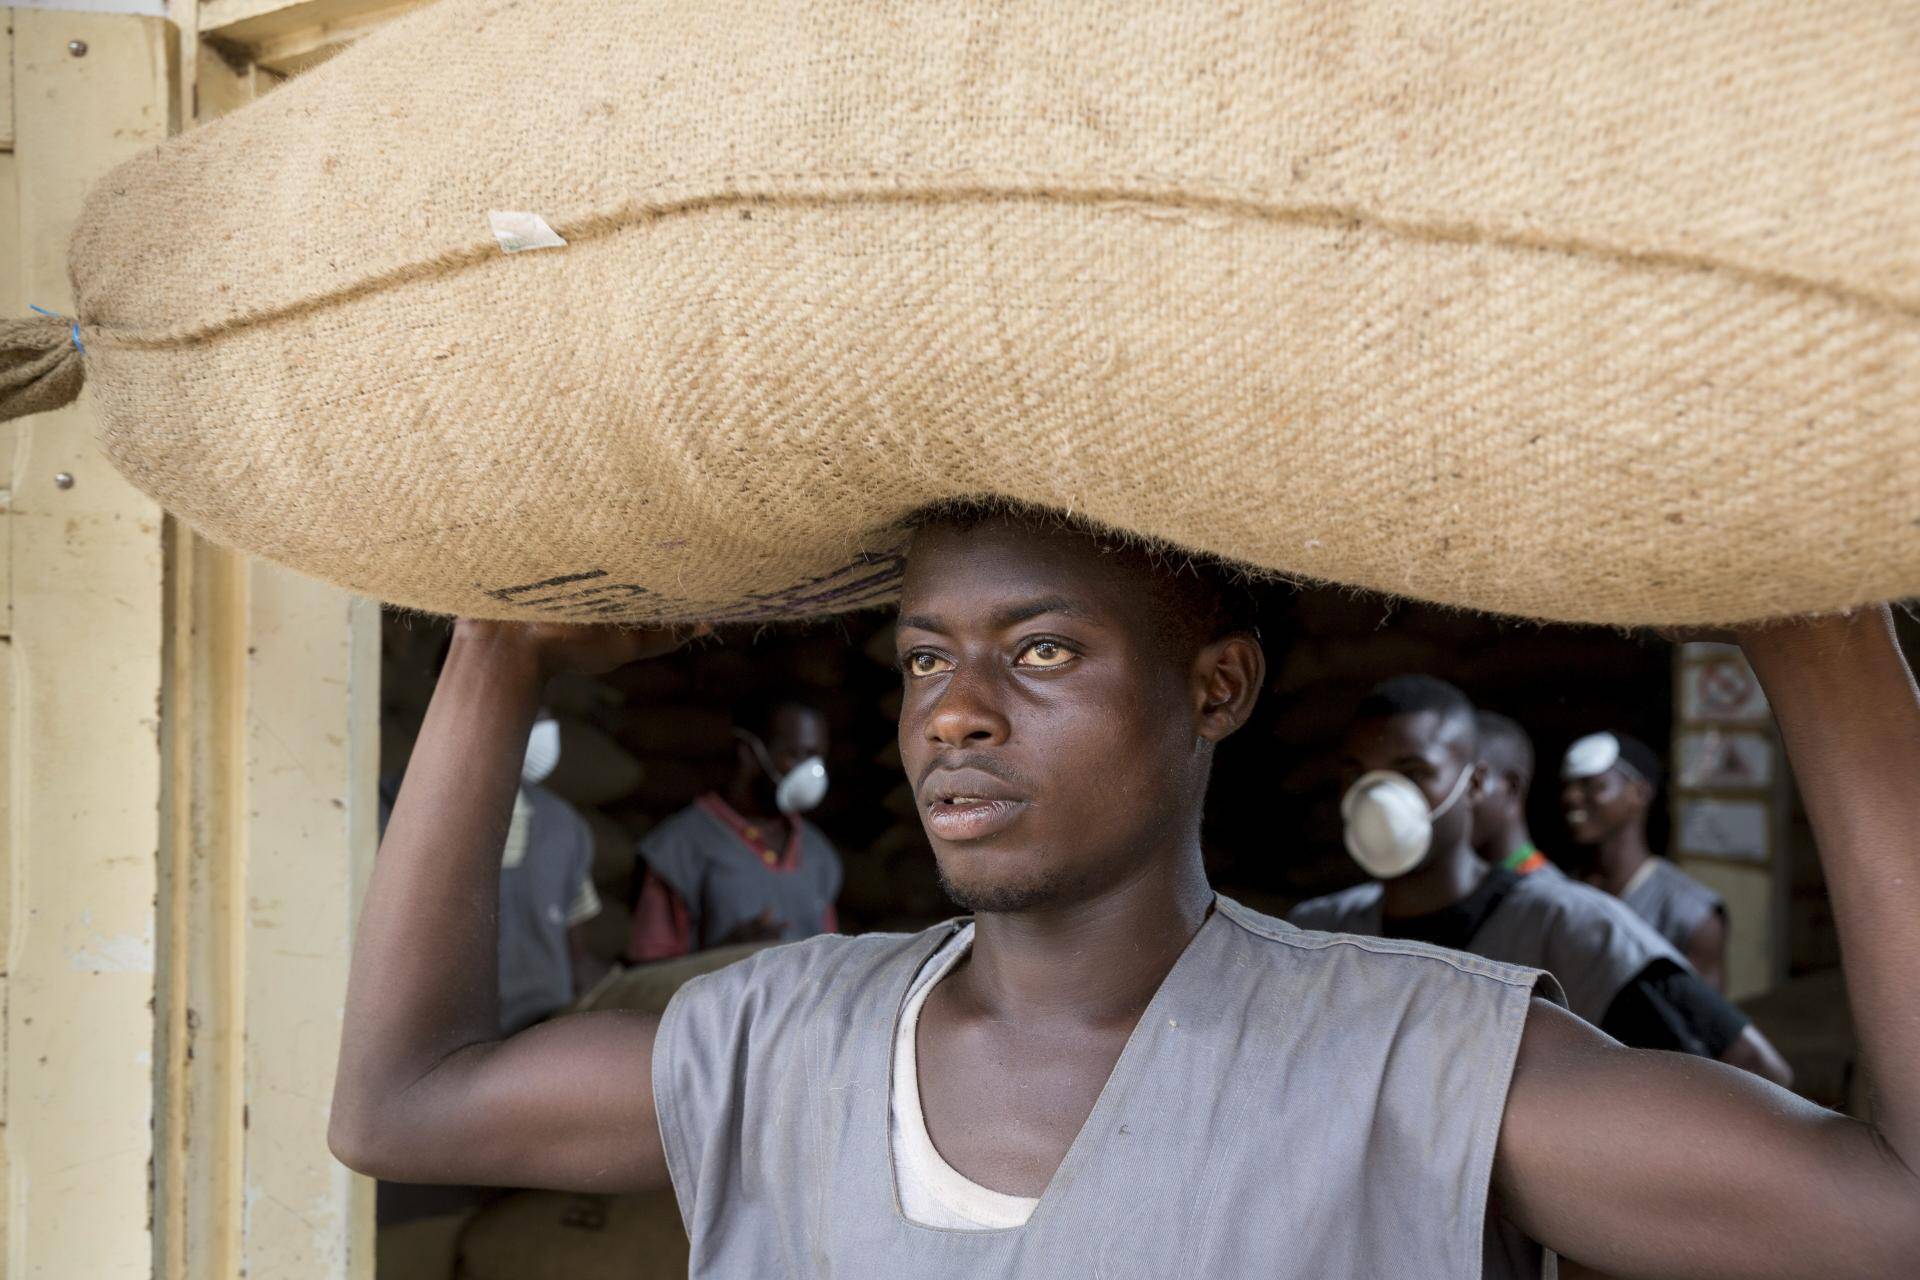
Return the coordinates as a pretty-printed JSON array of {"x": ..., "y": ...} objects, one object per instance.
[{"x": 1049, "y": 889}]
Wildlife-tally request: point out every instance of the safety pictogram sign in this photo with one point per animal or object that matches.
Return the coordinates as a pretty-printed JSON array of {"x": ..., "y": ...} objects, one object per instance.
[
  {"x": 1722, "y": 690},
  {"x": 1724, "y": 759}
]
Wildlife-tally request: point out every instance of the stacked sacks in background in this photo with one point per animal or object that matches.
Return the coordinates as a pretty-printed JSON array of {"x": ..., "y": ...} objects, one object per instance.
[
  {"x": 561, "y": 1235},
  {"x": 658, "y": 311},
  {"x": 643, "y": 741}
]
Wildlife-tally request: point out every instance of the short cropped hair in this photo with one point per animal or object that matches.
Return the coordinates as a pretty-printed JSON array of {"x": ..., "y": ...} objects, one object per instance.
[
  {"x": 1196, "y": 598},
  {"x": 1412, "y": 694},
  {"x": 758, "y": 713},
  {"x": 1504, "y": 745}
]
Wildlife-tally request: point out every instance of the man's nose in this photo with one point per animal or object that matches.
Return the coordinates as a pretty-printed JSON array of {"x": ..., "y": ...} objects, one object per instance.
[{"x": 967, "y": 714}]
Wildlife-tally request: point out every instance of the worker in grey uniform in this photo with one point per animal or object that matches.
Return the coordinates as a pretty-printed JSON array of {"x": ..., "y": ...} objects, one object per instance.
[
  {"x": 1501, "y": 834},
  {"x": 744, "y": 864},
  {"x": 1608, "y": 782},
  {"x": 1413, "y": 779},
  {"x": 547, "y": 894},
  {"x": 1152, "y": 1079}
]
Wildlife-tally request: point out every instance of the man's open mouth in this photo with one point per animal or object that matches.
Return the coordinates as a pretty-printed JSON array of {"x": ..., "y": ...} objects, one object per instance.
[
  {"x": 968, "y": 804},
  {"x": 969, "y": 817}
]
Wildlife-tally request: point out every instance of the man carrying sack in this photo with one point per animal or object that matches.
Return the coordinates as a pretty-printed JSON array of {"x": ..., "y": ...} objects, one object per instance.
[{"x": 1118, "y": 1072}]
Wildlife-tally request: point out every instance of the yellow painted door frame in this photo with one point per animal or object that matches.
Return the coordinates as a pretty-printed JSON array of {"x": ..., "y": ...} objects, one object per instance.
[
  {"x": 83, "y": 683},
  {"x": 187, "y": 780}
]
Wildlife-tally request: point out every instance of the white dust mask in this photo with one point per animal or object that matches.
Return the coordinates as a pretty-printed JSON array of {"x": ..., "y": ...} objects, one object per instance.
[
  {"x": 543, "y": 751},
  {"x": 803, "y": 787},
  {"x": 1388, "y": 825},
  {"x": 800, "y": 788}
]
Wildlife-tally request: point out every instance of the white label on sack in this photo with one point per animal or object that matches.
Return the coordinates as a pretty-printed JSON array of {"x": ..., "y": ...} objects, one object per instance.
[{"x": 520, "y": 231}]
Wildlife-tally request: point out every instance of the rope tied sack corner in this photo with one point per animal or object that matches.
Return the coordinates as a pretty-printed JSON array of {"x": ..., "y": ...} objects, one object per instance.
[
  {"x": 42, "y": 363},
  {"x": 73, "y": 331}
]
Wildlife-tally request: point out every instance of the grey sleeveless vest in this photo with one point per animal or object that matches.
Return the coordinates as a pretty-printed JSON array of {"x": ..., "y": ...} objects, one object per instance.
[
  {"x": 1591, "y": 941},
  {"x": 1291, "y": 1105},
  {"x": 1672, "y": 901},
  {"x": 725, "y": 884}
]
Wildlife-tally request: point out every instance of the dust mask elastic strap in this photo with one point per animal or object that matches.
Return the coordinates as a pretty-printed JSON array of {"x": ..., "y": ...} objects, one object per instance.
[{"x": 800, "y": 788}]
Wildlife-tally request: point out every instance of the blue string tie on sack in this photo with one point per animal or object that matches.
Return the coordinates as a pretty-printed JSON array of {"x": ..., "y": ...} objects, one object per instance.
[{"x": 73, "y": 333}]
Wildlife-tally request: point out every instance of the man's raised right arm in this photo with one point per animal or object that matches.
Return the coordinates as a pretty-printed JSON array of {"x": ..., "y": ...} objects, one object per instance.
[{"x": 427, "y": 1090}]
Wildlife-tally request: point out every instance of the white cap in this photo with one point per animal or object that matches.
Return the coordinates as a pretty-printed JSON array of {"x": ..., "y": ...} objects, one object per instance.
[{"x": 1591, "y": 756}]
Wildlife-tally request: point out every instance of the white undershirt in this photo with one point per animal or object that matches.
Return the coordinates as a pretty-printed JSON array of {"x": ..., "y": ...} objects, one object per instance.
[
  {"x": 1639, "y": 877},
  {"x": 932, "y": 1192}
]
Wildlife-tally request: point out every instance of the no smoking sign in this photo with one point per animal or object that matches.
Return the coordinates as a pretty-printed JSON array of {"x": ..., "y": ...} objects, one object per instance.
[{"x": 1722, "y": 690}]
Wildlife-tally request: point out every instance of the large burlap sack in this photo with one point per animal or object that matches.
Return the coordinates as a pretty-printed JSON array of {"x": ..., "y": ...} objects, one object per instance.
[
  {"x": 557, "y": 1235},
  {"x": 1581, "y": 311},
  {"x": 646, "y": 988},
  {"x": 593, "y": 768},
  {"x": 426, "y": 1248}
]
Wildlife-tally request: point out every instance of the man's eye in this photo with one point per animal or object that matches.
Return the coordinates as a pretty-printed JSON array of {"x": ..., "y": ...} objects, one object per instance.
[
  {"x": 1045, "y": 653},
  {"x": 922, "y": 663}
]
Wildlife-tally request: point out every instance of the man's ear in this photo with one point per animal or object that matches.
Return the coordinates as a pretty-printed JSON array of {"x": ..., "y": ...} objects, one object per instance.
[
  {"x": 1227, "y": 677},
  {"x": 1477, "y": 784}
]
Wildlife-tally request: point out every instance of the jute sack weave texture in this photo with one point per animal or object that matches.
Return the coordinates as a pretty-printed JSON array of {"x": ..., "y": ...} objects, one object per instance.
[{"x": 1590, "y": 312}]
